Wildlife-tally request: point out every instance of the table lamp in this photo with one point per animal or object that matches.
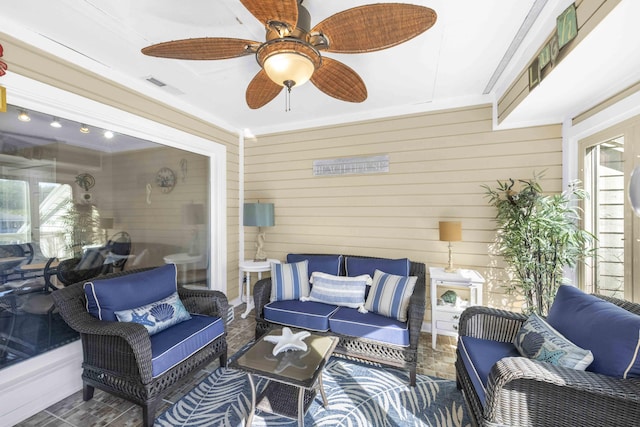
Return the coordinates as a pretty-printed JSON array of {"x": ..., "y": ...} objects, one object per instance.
[
  {"x": 450, "y": 231},
  {"x": 259, "y": 215}
]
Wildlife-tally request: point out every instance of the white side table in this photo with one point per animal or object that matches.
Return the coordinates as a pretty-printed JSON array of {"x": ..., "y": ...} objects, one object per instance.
[
  {"x": 182, "y": 261},
  {"x": 246, "y": 268},
  {"x": 445, "y": 318}
]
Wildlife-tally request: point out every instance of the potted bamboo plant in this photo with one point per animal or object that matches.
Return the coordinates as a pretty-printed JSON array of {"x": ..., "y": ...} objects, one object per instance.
[{"x": 538, "y": 235}]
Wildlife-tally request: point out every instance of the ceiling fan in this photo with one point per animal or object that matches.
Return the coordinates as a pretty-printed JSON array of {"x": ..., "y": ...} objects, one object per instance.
[{"x": 291, "y": 56}]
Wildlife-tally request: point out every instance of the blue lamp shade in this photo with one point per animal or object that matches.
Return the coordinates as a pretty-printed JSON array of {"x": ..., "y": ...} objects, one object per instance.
[{"x": 258, "y": 215}]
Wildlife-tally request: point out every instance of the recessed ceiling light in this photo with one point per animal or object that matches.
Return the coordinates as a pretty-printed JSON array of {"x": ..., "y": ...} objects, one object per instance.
[
  {"x": 55, "y": 123},
  {"x": 108, "y": 134},
  {"x": 84, "y": 128},
  {"x": 23, "y": 116}
]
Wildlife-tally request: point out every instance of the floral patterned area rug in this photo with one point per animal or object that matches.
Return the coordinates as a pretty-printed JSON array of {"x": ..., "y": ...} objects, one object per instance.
[{"x": 358, "y": 395}]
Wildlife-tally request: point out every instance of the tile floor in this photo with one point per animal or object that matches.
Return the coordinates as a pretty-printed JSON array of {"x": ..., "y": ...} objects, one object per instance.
[{"x": 106, "y": 410}]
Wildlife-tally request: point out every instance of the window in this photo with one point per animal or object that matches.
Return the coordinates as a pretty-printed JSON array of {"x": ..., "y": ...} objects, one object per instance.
[
  {"x": 606, "y": 161},
  {"x": 604, "y": 216},
  {"x": 15, "y": 224}
]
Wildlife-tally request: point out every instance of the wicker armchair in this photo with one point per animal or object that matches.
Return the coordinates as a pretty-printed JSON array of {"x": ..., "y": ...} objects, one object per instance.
[
  {"x": 117, "y": 355},
  {"x": 361, "y": 348},
  {"x": 525, "y": 392}
]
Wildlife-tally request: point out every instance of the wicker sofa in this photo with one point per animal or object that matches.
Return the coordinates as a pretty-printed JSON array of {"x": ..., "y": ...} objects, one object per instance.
[
  {"x": 124, "y": 358},
  {"x": 509, "y": 390},
  {"x": 366, "y": 343}
]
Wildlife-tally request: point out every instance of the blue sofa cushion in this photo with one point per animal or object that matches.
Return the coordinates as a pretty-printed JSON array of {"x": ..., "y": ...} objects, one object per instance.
[
  {"x": 106, "y": 296},
  {"x": 537, "y": 340},
  {"x": 358, "y": 266},
  {"x": 338, "y": 290},
  {"x": 610, "y": 332},
  {"x": 173, "y": 345},
  {"x": 350, "y": 322},
  {"x": 158, "y": 315},
  {"x": 390, "y": 295},
  {"x": 289, "y": 281},
  {"x": 329, "y": 264},
  {"x": 479, "y": 356},
  {"x": 300, "y": 314}
]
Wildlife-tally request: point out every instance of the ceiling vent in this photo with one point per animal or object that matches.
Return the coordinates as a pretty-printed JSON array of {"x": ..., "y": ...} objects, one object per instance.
[
  {"x": 167, "y": 88},
  {"x": 155, "y": 81}
]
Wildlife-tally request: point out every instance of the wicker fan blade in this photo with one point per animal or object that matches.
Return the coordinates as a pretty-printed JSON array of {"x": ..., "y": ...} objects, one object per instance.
[
  {"x": 375, "y": 27},
  {"x": 273, "y": 10},
  {"x": 261, "y": 90},
  {"x": 339, "y": 81},
  {"x": 201, "y": 48}
]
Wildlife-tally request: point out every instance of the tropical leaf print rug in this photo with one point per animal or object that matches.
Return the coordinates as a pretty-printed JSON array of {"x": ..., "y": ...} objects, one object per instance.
[{"x": 358, "y": 395}]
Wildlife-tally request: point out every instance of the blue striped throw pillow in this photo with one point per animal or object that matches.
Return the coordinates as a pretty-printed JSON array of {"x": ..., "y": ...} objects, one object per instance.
[
  {"x": 339, "y": 290},
  {"x": 390, "y": 294},
  {"x": 289, "y": 281}
]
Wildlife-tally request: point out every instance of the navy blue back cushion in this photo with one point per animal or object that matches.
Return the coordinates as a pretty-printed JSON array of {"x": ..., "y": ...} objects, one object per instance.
[
  {"x": 329, "y": 264},
  {"x": 610, "y": 332},
  {"x": 356, "y": 266},
  {"x": 106, "y": 296}
]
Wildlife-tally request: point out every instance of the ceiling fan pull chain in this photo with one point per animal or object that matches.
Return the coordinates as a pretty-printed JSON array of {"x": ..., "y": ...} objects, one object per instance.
[{"x": 287, "y": 100}]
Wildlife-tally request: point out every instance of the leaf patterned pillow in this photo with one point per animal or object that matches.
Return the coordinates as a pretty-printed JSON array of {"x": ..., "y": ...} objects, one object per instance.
[
  {"x": 537, "y": 340},
  {"x": 158, "y": 315}
]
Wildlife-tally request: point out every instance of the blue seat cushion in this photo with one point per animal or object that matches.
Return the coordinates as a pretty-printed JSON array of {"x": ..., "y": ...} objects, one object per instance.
[
  {"x": 350, "y": 322},
  {"x": 300, "y": 314},
  {"x": 610, "y": 332},
  {"x": 175, "y": 344},
  {"x": 329, "y": 264},
  {"x": 479, "y": 356},
  {"x": 356, "y": 266},
  {"x": 106, "y": 296}
]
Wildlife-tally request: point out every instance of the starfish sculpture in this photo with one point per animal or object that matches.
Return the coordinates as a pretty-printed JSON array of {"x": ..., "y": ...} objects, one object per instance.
[{"x": 288, "y": 341}]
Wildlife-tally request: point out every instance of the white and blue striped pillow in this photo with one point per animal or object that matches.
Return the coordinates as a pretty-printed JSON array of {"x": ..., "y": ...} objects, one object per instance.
[
  {"x": 289, "y": 281},
  {"x": 390, "y": 294},
  {"x": 339, "y": 290}
]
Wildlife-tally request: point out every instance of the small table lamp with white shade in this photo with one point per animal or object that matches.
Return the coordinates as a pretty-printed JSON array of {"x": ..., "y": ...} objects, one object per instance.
[
  {"x": 259, "y": 215},
  {"x": 450, "y": 231}
]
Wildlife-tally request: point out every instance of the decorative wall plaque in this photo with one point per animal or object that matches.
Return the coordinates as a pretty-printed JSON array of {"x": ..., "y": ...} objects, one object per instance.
[{"x": 351, "y": 166}]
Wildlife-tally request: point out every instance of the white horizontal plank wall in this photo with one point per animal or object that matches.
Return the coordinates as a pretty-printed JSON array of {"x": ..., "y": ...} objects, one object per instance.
[{"x": 438, "y": 163}]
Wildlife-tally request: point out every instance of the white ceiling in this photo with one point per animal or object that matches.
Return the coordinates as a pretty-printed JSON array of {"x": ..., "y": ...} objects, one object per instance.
[{"x": 450, "y": 65}]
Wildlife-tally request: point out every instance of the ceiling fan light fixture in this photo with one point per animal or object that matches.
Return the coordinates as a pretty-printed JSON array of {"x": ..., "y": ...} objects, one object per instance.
[{"x": 288, "y": 60}]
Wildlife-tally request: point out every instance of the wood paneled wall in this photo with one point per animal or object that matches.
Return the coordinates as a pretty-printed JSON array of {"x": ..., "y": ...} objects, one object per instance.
[{"x": 438, "y": 164}]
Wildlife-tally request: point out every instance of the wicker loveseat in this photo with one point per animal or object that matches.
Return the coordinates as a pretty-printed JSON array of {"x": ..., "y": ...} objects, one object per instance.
[
  {"x": 126, "y": 359},
  {"x": 509, "y": 390},
  {"x": 368, "y": 338}
]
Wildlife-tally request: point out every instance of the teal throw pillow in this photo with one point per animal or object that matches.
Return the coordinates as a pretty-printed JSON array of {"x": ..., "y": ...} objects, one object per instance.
[
  {"x": 158, "y": 315},
  {"x": 537, "y": 340}
]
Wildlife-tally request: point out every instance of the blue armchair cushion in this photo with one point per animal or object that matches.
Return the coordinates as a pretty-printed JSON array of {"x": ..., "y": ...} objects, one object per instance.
[
  {"x": 106, "y": 296},
  {"x": 173, "y": 345},
  {"x": 356, "y": 266},
  {"x": 289, "y": 281},
  {"x": 390, "y": 295},
  {"x": 158, "y": 315},
  {"x": 329, "y": 264},
  {"x": 351, "y": 322},
  {"x": 537, "y": 340},
  {"x": 479, "y": 356},
  {"x": 300, "y": 314},
  {"x": 338, "y": 290},
  {"x": 610, "y": 332}
]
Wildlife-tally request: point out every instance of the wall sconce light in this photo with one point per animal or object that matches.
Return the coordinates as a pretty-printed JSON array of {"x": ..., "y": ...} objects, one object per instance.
[
  {"x": 450, "y": 231},
  {"x": 259, "y": 215}
]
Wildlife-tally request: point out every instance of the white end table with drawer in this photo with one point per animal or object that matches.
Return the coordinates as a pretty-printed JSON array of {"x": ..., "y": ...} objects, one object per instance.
[{"x": 445, "y": 318}]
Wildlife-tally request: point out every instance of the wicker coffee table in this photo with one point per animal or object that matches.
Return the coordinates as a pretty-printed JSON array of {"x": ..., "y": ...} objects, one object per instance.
[{"x": 291, "y": 374}]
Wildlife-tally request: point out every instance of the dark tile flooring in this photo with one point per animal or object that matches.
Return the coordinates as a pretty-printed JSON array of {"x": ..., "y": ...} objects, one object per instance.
[{"x": 106, "y": 410}]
